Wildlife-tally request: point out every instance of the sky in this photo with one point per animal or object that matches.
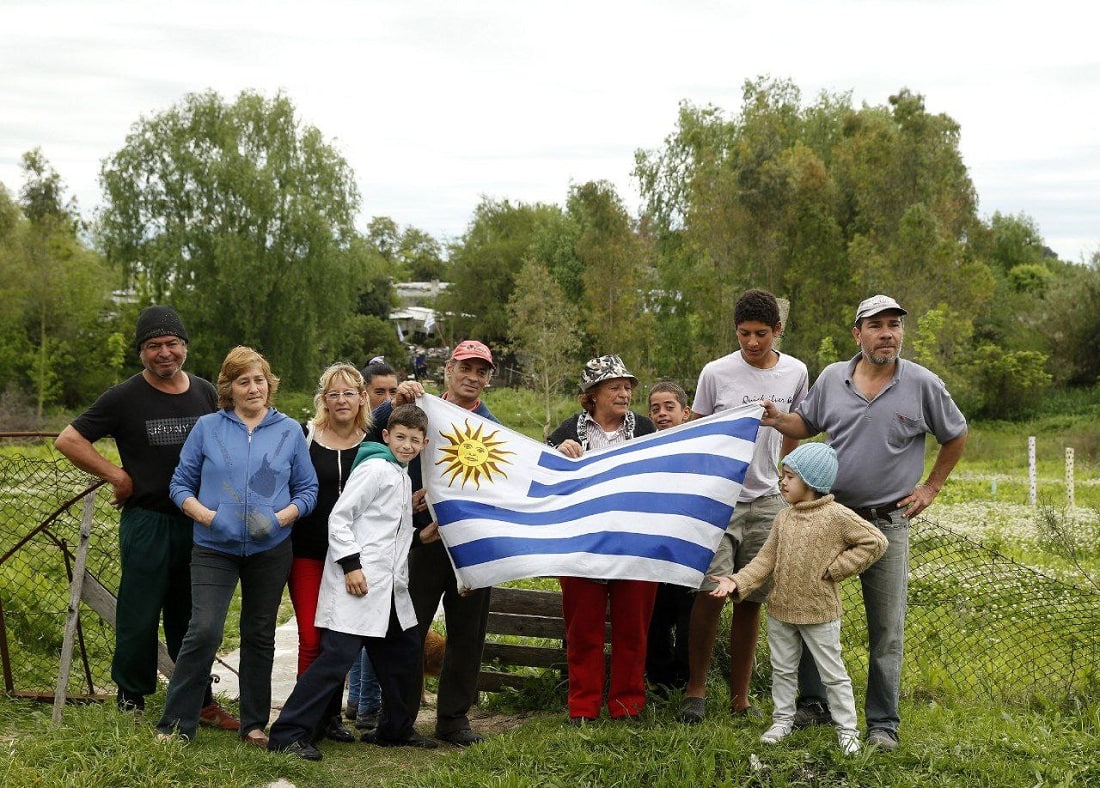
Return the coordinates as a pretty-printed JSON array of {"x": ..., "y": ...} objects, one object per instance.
[{"x": 437, "y": 104}]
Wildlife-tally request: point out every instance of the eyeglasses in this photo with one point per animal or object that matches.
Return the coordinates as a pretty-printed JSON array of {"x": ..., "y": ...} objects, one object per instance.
[{"x": 333, "y": 396}]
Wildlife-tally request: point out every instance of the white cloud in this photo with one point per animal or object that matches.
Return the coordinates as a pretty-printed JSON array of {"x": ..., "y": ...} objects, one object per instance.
[{"x": 436, "y": 103}]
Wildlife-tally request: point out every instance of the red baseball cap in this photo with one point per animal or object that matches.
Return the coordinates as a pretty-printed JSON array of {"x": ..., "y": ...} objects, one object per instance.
[{"x": 471, "y": 348}]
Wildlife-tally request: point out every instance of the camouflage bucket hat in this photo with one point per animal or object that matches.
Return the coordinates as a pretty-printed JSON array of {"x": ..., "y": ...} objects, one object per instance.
[{"x": 604, "y": 368}]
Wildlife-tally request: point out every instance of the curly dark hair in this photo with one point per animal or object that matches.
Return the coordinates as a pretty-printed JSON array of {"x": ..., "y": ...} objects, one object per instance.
[{"x": 758, "y": 305}]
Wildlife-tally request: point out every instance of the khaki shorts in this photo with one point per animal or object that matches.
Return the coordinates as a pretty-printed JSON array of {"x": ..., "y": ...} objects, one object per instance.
[{"x": 746, "y": 533}]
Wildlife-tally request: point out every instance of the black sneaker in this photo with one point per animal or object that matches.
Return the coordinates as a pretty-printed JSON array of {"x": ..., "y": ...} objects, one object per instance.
[
  {"x": 812, "y": 713},
  {"x": 337, "y": 731},
  {"x": 461, "y": 738},
  {"x": 882, "y": 739},
  {"x": 415, "y": 740},
  {"x": 367, "y": 722},
  {"x": 302, "y": 748}
]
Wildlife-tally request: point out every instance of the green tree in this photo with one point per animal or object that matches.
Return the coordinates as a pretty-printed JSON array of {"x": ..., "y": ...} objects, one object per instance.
[
  {"x": 1009, "y": 383},
  {"x": 611, "y": 256},
  {"x": 484, "y": 264},
  {"x": 1071, "y": 323},
  {"x": 60, "y": 287},
  {"x": 543, "y": 332},
  {"x": 241, "y": 216},
  {"x": 822, "y": 203}
]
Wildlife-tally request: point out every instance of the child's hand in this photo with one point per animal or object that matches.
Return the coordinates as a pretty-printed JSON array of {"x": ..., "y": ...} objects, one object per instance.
[
  {"x": 726, "y": 586},
  {"x": 356, "y": 582}
]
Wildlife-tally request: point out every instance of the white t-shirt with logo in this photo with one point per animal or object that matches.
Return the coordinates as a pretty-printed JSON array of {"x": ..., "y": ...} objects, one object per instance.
[{"x": 730, "y": 381}]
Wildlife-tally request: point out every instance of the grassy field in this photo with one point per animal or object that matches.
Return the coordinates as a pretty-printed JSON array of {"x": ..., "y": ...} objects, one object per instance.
[{"x": 948, "y": 739}]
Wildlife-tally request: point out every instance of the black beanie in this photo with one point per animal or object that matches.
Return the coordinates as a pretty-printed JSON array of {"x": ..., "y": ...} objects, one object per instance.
[{"x": 158, "y": 321}]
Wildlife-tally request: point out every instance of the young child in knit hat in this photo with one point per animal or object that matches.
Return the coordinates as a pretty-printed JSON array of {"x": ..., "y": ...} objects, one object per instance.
[{"x": 813, "y": 545}]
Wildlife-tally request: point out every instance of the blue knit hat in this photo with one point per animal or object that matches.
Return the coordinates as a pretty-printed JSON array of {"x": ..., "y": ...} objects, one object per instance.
[{"x": 815, "y": 463}]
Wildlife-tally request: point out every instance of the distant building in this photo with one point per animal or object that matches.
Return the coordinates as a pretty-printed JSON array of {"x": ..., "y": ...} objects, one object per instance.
[
  {"x": 419, "y": 293},
  {"x": 413, "y": 321}
]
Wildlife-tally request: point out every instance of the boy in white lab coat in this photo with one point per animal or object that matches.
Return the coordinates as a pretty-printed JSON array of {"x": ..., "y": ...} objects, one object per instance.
[{"x": 364, "y": 599}]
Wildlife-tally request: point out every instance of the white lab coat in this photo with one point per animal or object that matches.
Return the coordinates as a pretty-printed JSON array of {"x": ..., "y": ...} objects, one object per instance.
[{"x": 373, "y": 517}]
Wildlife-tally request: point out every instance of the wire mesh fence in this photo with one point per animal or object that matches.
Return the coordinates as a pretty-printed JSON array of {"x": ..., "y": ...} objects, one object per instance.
[
  {"x": 42, "y": 499},
  {"x": 979, "y": 625}
]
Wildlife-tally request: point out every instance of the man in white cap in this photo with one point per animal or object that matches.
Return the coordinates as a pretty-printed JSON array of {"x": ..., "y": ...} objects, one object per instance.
[
  {"x": 877, "y": 409},
  {"x": 149, "y": 416}
]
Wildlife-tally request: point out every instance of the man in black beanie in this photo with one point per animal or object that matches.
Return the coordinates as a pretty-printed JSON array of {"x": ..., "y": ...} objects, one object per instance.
[{"x": 149, "y": 416}]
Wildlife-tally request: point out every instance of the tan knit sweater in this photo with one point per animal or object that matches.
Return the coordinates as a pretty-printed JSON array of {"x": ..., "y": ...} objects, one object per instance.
[{"x": 812, "y": 547}]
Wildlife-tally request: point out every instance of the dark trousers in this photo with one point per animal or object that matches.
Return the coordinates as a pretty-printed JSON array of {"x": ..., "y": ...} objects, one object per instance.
[
  {"x": 666, "y": 658},
  {"x": 397, "y": 660},
  {"x": 155, "y": 551},
  {"x": 214, "y": 577},
  {"x": 431, "y": 578}
]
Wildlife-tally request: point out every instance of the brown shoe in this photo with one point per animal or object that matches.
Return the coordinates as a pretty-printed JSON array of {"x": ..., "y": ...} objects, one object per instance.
[
  {"x": 214, "y": 716},
  {"x": 256, "y": 738}
]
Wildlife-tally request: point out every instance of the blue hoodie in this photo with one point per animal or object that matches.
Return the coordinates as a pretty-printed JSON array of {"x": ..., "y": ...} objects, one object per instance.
[{"x": 245, "y": 478}]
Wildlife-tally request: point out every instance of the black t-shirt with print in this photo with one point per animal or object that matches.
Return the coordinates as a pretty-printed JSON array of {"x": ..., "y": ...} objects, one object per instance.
[{"x": 149, "y": 428}]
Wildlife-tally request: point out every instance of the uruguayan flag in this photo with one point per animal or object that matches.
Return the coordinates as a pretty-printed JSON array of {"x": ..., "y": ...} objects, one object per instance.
[{"x": 653, "y": 508}]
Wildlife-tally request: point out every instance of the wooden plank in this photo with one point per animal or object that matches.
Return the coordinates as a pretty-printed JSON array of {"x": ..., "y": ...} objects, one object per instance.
[
  {"x": 102, "y": 601},
  {"x": 495, "y": 681},
  {"x": 528, "y": 656},
  {"x": 526, "y": 601},
  {"x": 73, "y": 616},
  {"x": 526, "y": 626}
]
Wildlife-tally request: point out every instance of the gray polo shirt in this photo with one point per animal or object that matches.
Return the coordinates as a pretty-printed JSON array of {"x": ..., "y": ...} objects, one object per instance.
[{"x": 880, "y": 444}]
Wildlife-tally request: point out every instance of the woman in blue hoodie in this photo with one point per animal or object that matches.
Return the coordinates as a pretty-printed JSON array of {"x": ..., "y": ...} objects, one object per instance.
[{"x": 244, "y": 477}]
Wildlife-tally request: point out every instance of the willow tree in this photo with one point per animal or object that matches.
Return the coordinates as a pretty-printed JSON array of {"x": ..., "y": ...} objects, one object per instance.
[{"x": 240, "y": 215}]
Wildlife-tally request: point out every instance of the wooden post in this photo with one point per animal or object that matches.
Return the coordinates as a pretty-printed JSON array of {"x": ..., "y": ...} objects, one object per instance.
[
  {"x": 784, "y": 314},
  {"x": 1070, "y": 493},
  {"x": 1032, "y": 495},
  {"x": 74, "y": 608}
]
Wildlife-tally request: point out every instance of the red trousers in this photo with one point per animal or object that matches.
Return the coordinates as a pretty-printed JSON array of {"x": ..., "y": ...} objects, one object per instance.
[
  {"x": 305, "y": 585},
  {"x": 584, "y": 603}
]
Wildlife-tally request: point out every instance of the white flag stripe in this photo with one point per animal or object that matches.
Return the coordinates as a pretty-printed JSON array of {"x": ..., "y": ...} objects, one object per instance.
[
  {"x": 690, "y": 484},
  {"x": 683, "y": 526},
  {"x": 580, "y": 565},
  {"x": 721, "y": 445}
]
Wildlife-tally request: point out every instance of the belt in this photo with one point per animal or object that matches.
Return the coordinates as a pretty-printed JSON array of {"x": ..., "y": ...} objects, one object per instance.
[{"x": 874, "y": 513}]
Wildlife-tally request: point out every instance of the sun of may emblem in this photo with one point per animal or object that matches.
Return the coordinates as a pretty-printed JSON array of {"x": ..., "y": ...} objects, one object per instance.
[{"x": 471, "y": 455}]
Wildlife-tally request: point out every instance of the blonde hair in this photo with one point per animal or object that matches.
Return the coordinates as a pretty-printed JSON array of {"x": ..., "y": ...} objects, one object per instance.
[
  {"x": 237, "y": 361},
  {"x": 348, "y": 372}
]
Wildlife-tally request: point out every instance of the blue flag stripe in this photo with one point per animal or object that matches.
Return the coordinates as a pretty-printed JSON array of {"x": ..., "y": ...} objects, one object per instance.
[
  {"x": 745, "y": 429},
  {"x": 664, "y": 548},
  {"x": 697, "y": 506},
  {"x": 704, "y": 464}
]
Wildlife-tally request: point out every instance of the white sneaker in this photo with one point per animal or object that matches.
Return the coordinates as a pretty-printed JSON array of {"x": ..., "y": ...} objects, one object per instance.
[
  {"x": 849, "y": 743},
  {"x": 776, "y": 733}
]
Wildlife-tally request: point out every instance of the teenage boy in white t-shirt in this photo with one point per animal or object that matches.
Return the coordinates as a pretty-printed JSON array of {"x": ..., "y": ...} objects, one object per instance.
[{"x": 754, "y": 373}]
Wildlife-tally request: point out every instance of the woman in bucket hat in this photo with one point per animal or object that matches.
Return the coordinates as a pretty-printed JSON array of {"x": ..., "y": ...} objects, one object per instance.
[{"x": 606, "y": 420}]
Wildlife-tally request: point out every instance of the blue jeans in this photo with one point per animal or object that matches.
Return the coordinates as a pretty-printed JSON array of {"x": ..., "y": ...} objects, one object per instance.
[
  {"x": 364, "y": 691},
  {"x": 214, "y": 577},
  {"x": 885, "y": 589}
]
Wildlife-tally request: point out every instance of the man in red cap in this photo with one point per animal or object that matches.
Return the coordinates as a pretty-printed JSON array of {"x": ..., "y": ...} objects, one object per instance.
[{"x": 431, "y": 576}]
